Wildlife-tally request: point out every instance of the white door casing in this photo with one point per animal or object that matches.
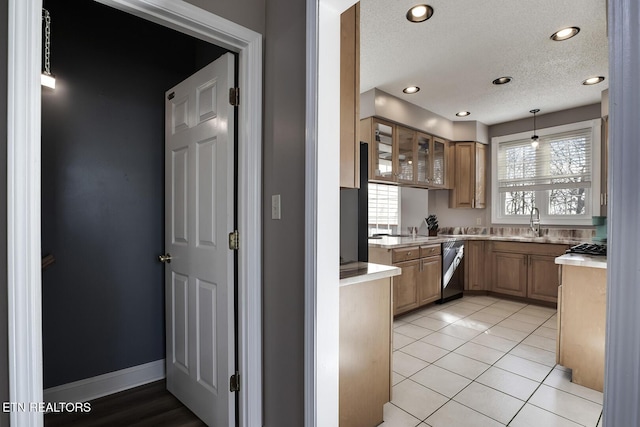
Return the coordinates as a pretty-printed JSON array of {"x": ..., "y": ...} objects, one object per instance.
[{"x": 199, "y": 290}]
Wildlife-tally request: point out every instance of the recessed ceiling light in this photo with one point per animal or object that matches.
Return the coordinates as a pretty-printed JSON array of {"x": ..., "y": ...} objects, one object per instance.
[
  {"x": 565, "y": 33},
  {"x": 502, "y": 80},
  {"x": 462, "y": 113},
  {"x": 593, "y": 80},
  {"x": 411, "y": 89},
  {"x": 420, "y": 13}
]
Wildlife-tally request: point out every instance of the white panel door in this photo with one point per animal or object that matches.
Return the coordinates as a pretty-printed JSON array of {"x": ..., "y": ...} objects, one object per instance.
[{"x": 199, "y": 215}]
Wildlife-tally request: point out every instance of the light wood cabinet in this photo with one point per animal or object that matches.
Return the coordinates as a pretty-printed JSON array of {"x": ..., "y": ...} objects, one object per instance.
[
  {"x": 421, "y": 278},
  {"x": 429, "y": 280},
  {"x": 582, "y": 315},
  {"x": 405, "y": 287},
  {"x": 526, "y": 270},
  {"x": 406, "y": 165},
  {"x": 469, "y": 186},
  {"x": 365, "y": 352},
  {"x": 510, "y": 274},
  {"x": 476, "y": 265},
  {"x": 350, "y": 97},
  {"x": 405, "y": 156},
  {"x": 380, "y": 135},
  {"x": 542, "y": 280}
]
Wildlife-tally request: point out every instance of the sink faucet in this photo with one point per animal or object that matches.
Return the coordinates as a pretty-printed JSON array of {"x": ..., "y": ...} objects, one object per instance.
[{"x": 534, "y": 222}]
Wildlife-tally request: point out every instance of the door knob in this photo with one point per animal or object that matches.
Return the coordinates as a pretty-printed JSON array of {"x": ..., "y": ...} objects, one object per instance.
[{"x": 166, "y": 258}]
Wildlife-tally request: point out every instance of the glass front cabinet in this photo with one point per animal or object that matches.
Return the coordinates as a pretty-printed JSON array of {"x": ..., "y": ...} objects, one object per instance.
[
  {"x": 382, "y": 149},
  {"x": 405, "y": 156}
]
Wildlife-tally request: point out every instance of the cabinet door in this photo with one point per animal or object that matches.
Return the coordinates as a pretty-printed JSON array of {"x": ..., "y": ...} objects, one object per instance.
[
  {"x": 543, "y": 278},
  {"x": 463, "y": 193},
  {"x": 510, "y": 273},
  {"x": 423, "y": 159},
  {"x": 350, "y": 97},
  {"x": 480, "y": 195},
  {"x": 382, "y": 158},
  {"x": 405, "y": 169},
  {"x": 439, "y": 162},
  {"x": 405, "y": 287},
  {"x": 475, "y": 266},
  {"x": 429, "y": 280}
]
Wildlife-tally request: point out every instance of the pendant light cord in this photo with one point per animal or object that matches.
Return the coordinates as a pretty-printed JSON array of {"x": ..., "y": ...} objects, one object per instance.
[{"x": 47, "y": 41}]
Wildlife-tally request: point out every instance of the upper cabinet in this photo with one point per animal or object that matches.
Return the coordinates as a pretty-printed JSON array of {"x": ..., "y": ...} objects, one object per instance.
[
  {"x": 350, "y": 97},
  {"x": 469, "y": 187},
  {"x": 405, "y": 156},
  {"x": 406, "y": 150}
]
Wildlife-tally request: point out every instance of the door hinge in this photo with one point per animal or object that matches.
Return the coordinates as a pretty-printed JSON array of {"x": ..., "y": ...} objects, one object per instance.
[
  {"x": 234, "y": 96},
  {"x": 234, "y": 382},
  {"x": 234, "y": 240}
]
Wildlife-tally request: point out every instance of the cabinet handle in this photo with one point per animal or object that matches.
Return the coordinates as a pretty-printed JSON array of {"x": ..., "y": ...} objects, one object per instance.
[{"x": 408, "y": 253}]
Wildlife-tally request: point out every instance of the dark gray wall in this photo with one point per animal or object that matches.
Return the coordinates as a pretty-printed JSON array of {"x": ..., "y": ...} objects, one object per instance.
[
  {"x": 248, "y": 13},
  {"x": 103, "y": 187},
  {"x": 4, "y": 364},
  {"x": 284, "y": 159}
]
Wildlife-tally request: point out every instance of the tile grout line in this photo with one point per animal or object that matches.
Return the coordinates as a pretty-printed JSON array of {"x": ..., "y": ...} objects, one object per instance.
[{"x": 540, "y": 383}]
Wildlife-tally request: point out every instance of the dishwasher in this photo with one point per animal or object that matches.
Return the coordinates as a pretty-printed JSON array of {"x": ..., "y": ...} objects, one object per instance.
[{"x": 452, "y": 270}]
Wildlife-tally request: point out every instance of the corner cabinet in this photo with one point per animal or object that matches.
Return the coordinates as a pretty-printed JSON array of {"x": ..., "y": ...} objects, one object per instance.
[
  {"x": 350, "y": 97},
  {"x": 405, "y": 156},
  {"x": 470, "y": 175},
  {"x": 476, "y": 265},
  {"x": 526, "y": 269}
]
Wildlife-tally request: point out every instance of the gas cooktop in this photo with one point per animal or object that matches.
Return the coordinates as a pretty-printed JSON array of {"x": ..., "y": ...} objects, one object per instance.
[{"x": 588, "y": 249}]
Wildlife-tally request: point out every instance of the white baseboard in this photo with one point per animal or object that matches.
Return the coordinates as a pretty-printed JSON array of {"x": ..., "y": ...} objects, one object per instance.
[{"x": 103, "y": 385}]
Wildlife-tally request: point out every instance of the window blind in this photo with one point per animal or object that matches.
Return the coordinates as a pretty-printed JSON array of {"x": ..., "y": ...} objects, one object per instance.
[
  {"x": 560, "y": 161},
  {"x": 383, "y": 204}
]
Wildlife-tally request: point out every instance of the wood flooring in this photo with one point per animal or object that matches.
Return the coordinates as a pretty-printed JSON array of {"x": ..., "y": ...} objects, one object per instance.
[{"x": 150, "y": 405}]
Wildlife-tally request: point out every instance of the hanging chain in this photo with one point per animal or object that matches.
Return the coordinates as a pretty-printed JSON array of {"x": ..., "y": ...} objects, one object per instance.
[{"x": 47, "y": 41}]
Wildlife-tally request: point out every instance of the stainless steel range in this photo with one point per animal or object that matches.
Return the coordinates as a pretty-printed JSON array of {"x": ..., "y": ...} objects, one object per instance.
[{"x": 452, "y": 270}]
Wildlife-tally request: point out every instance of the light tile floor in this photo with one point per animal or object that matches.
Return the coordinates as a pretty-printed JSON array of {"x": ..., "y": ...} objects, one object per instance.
[{"x": 481, "y": 361}]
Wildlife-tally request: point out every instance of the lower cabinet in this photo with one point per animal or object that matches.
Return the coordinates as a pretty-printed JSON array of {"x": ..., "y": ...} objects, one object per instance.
[
  {"x": 526, "y": 270},
  {"x": 405, "y": 287},
  {"x": 421, "y": 278},
  {"x": 510, "y": 273},
  {"x": 429, "y": 280},
  {"x": 475, "y": 265},
  {"x": 543, "y": 279}
]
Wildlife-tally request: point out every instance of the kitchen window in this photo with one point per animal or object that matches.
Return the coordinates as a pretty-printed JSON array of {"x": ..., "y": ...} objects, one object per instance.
[
  {"x": 561, "y": 177},
  {"x": 384, "y": 209}
]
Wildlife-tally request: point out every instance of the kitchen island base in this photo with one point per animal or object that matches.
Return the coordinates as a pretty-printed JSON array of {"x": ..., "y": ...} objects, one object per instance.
[{"x": 582, "y": 323}]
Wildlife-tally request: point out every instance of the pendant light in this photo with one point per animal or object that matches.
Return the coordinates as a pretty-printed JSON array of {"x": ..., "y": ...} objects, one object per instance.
[
  {"x": 534, "y": 137},
  {"x": 46, "y": 78}
]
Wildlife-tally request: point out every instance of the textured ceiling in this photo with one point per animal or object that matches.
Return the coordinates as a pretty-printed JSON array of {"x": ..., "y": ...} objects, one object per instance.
[{"x": 454, "y": 56}]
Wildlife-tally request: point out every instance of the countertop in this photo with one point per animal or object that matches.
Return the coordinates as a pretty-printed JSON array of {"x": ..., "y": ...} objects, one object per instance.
[
  {"x": 388, "y": 242},
  {"x": 358, "y": 272},
  {"x": 580, "y": 260}
]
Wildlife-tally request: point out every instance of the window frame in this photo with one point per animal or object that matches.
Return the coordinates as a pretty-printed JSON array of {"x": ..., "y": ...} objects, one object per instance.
[
  {"x": 497, "y": 216},
  {"x": 399, "y": 199}
]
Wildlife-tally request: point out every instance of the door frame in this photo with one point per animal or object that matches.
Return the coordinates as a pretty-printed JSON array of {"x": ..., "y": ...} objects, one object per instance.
[{"x": 24, "y": 192}]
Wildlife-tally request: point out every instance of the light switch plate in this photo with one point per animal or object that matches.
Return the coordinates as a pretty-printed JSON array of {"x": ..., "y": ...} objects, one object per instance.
[{"x": 275, "y": 206}]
